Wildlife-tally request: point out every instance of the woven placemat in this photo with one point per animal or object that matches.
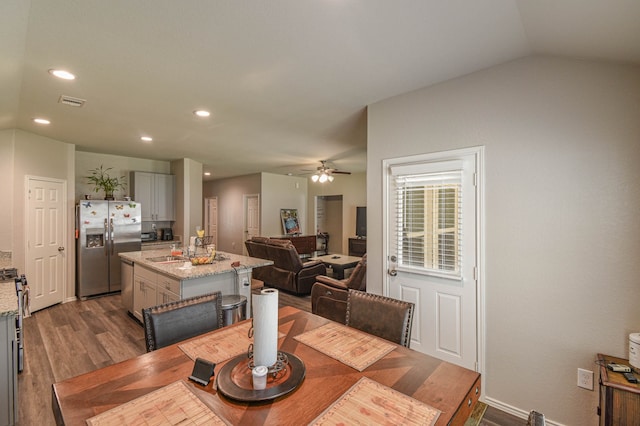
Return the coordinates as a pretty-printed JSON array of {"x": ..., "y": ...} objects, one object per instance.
[
  {"x": 222, "y": 345},
  {"x": 171, "y": 405},
  {"x": 371, "y": 403},
  {"x": 346, "y": 344}
]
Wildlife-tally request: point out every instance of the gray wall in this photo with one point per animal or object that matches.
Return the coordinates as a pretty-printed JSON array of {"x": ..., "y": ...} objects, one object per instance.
[{"x": 562, "y": 142}]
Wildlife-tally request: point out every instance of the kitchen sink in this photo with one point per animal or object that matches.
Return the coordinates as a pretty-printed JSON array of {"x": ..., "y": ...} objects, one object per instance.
[{"x": 167, "y": 259}]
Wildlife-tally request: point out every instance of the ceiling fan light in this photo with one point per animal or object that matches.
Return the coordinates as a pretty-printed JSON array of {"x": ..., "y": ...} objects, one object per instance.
[
  {"x": 323, "y": 178},
  {"x": 314, "y": 178},
  {"x": 330, "y": 178}
]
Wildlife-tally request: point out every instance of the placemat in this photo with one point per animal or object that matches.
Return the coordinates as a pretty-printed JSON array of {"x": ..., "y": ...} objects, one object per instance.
[
  {"x": 171, "y": 405},
  {"x": 222, "y": 345},
  {"x": 369, "y": 402},
  {"x": 347, "y": 344}
]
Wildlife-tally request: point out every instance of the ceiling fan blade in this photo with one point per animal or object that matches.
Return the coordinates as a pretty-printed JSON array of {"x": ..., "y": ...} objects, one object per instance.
[{"x": 339, "y": 172}]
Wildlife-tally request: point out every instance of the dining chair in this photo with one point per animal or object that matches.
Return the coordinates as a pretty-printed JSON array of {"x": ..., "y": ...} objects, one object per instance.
[
  {"x": 172, "y": 322},
  {"x": 381, "y": 316}
]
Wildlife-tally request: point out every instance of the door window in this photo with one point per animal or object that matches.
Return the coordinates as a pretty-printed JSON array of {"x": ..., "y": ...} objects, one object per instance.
[{"x": 428, "y": 231}]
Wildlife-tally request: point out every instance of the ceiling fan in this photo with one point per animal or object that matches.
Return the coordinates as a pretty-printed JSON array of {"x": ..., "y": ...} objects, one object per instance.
[{"x": 324, "y": 173}]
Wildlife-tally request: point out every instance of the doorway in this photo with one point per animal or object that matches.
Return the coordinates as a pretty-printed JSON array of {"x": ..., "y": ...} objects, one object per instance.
[
  {"x": 329, "y": 221},
  {"x": 433, "y": 211},
  {"x": 211, "y": 218},
  {"x": 46, "y": 254},
  {"x": 251, "y": 218}
]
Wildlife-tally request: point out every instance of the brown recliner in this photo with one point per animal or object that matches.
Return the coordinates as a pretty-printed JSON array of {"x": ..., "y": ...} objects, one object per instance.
[
  {"x": 381, "y": 316},
  {"x": 288, "y": 271},
  {"x": 329, "y": 296}
]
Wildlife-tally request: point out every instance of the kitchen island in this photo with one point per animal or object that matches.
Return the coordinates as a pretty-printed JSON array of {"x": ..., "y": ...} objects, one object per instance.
[{"x": 154, "y": 277}]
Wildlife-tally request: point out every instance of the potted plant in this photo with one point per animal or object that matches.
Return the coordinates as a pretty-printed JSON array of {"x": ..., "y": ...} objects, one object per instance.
[{"x": 102, "y": 181}]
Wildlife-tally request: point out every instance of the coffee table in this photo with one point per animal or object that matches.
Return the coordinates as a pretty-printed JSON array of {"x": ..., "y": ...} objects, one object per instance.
[{"x": 338, "y": 262}]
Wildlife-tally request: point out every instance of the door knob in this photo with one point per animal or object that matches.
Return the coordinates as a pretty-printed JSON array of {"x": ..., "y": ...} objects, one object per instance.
[
  {"x": 60, "y": 248},
  {"x": 393, "y": 272}
]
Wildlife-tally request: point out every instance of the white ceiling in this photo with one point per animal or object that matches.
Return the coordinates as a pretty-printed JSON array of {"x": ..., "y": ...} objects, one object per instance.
[{"x": 287, "y": 81}]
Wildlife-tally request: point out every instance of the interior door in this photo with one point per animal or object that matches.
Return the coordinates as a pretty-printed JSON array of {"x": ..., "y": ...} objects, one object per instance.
[
  {"x": 45, "y": 261},
  {"x": 432, "y": 254},
  {"x": 252, "y": 218},
  {"x": 211, "y": 218}
]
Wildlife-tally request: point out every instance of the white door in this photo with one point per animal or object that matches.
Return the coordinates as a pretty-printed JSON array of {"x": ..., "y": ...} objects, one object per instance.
[
  {"x": 45, "y": 261},
  {"x": 211, "y": 218},
  {"x": 251, "y": 218},
  {"x": 432, "y": 242}
]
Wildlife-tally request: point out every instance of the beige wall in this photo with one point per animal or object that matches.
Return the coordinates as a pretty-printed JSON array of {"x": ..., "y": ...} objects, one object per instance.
[
  {"x": 188, "y": 196},
  {"x": 6, "y": 188},
  {"x": 562, "y": 233},
  {"x": 121, "y": 166},
  {"x": 275, "y": 191},
  {"x": 282, "y": 192},
  {"x": 230, "y": 194},
  {"x": 353, "y": 189},
  {"x": 43, "y": 157}
]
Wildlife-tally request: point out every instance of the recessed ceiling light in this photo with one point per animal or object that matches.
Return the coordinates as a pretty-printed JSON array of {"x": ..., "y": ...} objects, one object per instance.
[
  {"x": 202, "y": 113},
  {"x": 146, "y": 138},
  {"x": 65, "y": 75},
  {"x": 207, "y": 173},
  {"x": 41, "y": 121}
]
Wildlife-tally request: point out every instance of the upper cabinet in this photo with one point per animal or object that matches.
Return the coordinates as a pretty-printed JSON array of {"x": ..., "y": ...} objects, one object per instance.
[{"x": 155, "y": 193}]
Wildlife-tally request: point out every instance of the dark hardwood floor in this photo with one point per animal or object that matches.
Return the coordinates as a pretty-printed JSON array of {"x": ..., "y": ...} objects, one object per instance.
[{"x": 66, "y": 340}]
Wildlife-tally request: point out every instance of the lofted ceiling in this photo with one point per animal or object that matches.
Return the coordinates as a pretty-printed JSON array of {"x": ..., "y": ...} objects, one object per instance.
[{"x": 287, "y": 82}]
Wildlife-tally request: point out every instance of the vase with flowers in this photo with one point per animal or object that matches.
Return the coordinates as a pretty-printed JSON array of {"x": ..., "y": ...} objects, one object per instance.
[{"x": 101, "y": 180}]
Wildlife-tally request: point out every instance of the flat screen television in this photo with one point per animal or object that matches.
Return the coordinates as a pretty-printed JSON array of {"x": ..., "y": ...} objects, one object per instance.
[{"x": 361, "y": 222}]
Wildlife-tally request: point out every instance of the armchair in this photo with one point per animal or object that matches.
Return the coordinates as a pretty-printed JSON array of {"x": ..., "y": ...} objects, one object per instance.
[{"x": 329, "y": 296}]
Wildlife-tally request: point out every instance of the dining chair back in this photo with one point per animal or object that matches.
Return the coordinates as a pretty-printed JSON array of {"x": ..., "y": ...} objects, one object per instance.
[
  {"x": 381, "y": 316},
  {"x": 175, "y": 321}
]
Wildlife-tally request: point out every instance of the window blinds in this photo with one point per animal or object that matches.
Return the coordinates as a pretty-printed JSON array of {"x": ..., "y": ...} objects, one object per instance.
[{"x": 426, "y": 215}]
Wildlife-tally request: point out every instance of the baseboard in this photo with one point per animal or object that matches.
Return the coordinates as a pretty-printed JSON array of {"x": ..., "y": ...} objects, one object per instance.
[{"x": 516, "y": 411}]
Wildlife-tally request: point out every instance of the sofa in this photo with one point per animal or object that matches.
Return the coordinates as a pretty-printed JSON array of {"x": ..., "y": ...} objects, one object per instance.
[{"x": 288, "y": 271}]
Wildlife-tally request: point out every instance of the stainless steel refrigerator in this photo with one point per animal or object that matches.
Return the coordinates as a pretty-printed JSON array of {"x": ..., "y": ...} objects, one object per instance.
[{"x": 104, "y": 229}]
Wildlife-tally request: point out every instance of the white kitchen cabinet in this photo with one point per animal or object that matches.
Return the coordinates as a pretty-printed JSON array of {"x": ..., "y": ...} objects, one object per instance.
[
  {"x": 155, "y": 193},
  {"x": 145, "y": 295},
  {"x": 168, "y": 289},
  {"x": 151, "y": 289}
]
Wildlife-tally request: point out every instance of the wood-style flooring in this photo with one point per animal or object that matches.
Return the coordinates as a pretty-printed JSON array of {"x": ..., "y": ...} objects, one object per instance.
[{"x": 70, "y": 339}]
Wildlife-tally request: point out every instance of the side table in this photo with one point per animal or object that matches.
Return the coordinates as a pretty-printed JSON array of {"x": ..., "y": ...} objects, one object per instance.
[{"x": 619, "y": 399}]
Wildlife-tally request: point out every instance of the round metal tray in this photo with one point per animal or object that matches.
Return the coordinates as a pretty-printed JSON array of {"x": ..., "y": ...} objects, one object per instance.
[{"x": 234, "y": 380}]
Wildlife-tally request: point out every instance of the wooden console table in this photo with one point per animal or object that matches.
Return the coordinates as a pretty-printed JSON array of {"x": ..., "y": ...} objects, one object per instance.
[
  {"x": 304, "y": 244},
  {"x": 357, "y": 246},
  {"x": 619, "y": 399}
]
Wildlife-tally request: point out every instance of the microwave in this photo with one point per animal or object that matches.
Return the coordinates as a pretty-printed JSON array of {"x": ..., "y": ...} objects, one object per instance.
[{"x": 148, "y": 236}]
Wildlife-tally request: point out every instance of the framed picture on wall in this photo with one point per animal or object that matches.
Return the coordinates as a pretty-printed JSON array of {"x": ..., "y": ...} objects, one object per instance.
[{"x": 290, "y": 223}]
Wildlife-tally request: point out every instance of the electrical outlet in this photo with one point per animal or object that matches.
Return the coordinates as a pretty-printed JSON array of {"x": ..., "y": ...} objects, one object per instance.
[{"x": 585, "y": 379}]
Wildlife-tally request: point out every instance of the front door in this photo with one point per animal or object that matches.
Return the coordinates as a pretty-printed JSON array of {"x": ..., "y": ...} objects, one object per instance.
[
  {"x": 432, "y": 243},
  {"x": 45, "y": 260}
]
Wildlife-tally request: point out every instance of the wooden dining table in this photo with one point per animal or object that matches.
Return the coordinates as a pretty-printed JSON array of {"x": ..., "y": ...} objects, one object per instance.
[{"x": 444, "y": 386}]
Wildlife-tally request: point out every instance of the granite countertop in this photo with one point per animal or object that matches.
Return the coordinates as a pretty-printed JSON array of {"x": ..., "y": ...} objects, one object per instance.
[
  {"x": 8, "y": 298},
  {"x": 176, "y": 269}
]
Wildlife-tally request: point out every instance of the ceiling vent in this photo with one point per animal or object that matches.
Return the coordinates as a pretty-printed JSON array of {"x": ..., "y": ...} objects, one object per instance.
[{"x": 71, "y": 101}]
